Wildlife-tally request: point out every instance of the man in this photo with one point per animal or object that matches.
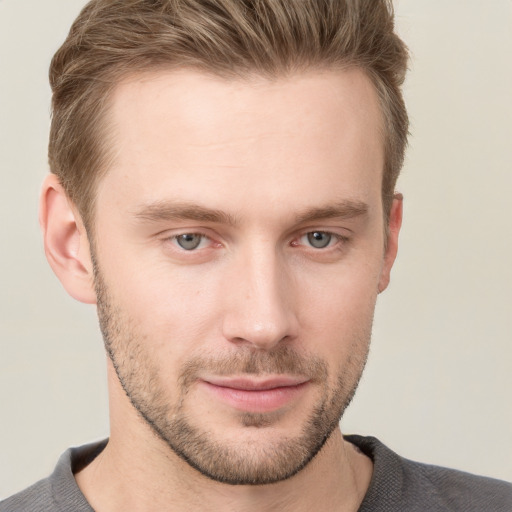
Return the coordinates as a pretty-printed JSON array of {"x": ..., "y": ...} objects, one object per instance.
[{"x": 222, "y": 188}]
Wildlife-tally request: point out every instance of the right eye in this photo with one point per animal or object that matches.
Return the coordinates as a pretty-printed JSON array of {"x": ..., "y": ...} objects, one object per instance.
[
  {"x": 319, "y": 239},
  {"x": 190, "y": 241}
]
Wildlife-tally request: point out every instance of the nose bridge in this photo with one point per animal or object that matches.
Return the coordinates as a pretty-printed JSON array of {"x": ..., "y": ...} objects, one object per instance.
[{"x": 260, "y": 310}]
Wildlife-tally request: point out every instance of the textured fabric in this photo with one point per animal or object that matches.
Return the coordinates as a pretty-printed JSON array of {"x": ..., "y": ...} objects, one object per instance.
[
  {"x": 401, "y": 485},
  {"x": 59, "y": 492},
  {"x": 397, "y": 485}
]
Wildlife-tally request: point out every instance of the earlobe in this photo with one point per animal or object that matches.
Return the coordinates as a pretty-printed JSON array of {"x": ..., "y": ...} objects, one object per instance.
[
  {"x": 65, "y": 241},
  {"x": 394, "y": 225}
]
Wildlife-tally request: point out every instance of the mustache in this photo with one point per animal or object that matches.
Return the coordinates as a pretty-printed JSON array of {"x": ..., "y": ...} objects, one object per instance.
[{"x": 282, "y": 360}]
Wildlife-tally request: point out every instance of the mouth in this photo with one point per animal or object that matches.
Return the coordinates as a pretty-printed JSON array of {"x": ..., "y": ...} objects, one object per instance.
[{"x": 258, "y": 395}]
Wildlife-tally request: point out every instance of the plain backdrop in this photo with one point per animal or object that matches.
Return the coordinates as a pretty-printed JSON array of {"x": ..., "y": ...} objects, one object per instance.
[{"x": 438, "y": 384}]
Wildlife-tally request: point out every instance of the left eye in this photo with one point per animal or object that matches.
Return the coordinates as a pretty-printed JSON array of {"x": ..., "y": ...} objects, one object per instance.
[
  {"x": 190, "y": 241},
  {"x": 318, "y": 239}
]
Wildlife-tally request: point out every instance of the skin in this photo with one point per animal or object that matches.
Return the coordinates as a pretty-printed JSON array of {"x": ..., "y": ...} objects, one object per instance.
[{"x": 273, "y": 159}]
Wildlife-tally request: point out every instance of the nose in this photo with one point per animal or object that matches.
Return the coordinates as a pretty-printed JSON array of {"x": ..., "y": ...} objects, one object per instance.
[{"x": 260, "y": 302}]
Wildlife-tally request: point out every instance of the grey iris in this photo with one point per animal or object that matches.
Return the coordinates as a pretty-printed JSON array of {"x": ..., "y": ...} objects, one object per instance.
[
  {"x": 189, "y": 241},
  {"x": 319, "y": 239}
]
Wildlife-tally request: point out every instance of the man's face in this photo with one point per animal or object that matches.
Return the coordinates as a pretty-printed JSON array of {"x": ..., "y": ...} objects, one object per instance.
[{"x": 239, "y": 248}]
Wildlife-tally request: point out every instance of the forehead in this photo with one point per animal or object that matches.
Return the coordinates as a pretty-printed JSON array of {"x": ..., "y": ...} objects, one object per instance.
[{"x": 184, "y": 134}]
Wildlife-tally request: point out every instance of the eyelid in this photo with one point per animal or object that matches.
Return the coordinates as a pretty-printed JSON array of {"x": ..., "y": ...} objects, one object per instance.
[
  {"x": 203, "y": 238},
  {"x": 169, "y": 234},
  {"x": 170, "y": 237},
  {"x": 338, "y": 239}
]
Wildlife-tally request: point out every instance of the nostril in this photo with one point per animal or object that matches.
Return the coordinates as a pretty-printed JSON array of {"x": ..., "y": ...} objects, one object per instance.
[{"x": 259, "y": 335}]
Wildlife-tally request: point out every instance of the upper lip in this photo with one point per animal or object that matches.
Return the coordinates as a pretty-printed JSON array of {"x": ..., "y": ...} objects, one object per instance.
[{"x": 256, "y": 384}]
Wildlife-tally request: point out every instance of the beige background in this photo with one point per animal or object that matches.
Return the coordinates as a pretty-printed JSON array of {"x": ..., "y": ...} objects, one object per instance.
[{"x": 439, "y": 380}]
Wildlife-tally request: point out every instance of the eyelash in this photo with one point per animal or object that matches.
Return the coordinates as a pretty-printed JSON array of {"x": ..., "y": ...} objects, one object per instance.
[
  {"x": 175, "y": 238},
  {"x": 336, "y": 238}
]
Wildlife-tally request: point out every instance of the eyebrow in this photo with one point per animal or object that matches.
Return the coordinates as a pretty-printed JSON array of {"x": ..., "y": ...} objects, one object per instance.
[
  {"x": 165, "y": 211},
  {"x": 346, "y": 209}
]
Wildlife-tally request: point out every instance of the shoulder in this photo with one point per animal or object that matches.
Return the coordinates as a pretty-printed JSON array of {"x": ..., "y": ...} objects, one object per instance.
[
  {"x": 459, "y": 490},
  {"x": 36, "y": 498},
  {"x": 59, "y": 492},
  {"x": 401, "y": 484}
]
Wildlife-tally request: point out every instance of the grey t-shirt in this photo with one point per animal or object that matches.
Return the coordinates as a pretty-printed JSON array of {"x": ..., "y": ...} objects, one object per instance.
[{"x": 397, "y": 485}]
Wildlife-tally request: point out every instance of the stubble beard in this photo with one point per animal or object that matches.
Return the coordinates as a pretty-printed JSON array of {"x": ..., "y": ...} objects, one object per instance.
[{"x": 253, "y": 462}]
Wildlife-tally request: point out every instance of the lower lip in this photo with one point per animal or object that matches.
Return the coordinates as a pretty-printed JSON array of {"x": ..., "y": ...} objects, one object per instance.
[{"x": 266, "y": 400}]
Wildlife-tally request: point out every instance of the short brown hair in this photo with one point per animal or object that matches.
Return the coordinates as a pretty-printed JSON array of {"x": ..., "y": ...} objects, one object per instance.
[{"x": 111, "y": 39}]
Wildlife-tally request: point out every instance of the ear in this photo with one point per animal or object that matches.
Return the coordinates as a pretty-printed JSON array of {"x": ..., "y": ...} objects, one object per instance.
[
  {"x": 65, "y": 241},
  {"x": 395, "y": 222}
]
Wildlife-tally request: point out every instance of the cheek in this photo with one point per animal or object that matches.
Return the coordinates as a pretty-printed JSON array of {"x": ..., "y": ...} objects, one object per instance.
[
  {"x": 173, "y": 310},
  {"x": 340, "y": 294},
  {"x": 337, "y": 312}
]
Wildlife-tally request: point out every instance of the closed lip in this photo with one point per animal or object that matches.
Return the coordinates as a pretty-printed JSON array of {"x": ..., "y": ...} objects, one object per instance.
[
  {"x": 256, "y": 394},
  {"x": 256, "y": 384}
]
